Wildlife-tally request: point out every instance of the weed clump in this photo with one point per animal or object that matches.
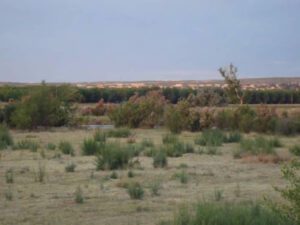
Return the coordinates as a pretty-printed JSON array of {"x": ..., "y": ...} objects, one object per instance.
[
  {"x": 91, "y": 147},
  {"x": 9, "y": 176},
  {"x": 135, "y": 190},
  {"x": 160, "y": 159},
  {"x": 79, "y": 199},
  {"x": 295, "y": 150},
  {"x": 66, "y": 148},
  {"x": 70, "y": 167},
  {"x": 51, "y": 146},
  {"x": 100, "y": 136},
  {"x": 27, "y": 144},
  {"x": 5, "y": 138},
  {"x": 210, "y": 137},
  {"x": 113, "y": 157}
]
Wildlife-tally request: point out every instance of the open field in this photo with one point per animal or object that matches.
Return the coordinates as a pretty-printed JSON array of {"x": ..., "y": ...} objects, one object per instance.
[{"x": 106, "y": 201}]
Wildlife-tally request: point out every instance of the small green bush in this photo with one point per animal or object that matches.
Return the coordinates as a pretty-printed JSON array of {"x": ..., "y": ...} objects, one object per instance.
[
  {"x": 295, "y": 150},
  {"x": 66, "y": 148},
  {"x": 51, "y": 146},
  {"x": 79, "y": 195},
  {"x": 130, "y": 174},
  {"x": 91, "y": 147},
  {"x": 160, "y": 159},
  {"x": 119, "y": 133},
  {"x": 155, "y": 187},
  {"x": 169, "y": 139},
  {"x": 259, "y": 145},
  {"x": 27, "y": 144},
  {"x": 5, "y": 138},
  {"x": 40, "y": 174},
  {"x": 70, "y": 167},
  {"x": 226, "y": 214},
  {"x": 9, "y": 176},
  {"x": 135, "y": 190},
  {"x": 9, "y": 194},
  {"x": 211, "y": 137},
  {"x": 113, "y": 175},
  {"x": 182, "y": 177},
  {"x": 147, "y": 143},
  {"x": 233, "y": 137},
  {"x": 100, "y": 136},
  {"x": 112, "y": 157}
]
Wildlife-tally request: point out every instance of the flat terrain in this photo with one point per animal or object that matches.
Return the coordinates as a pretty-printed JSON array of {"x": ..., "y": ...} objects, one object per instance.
[{"x": 106, "y": 200}]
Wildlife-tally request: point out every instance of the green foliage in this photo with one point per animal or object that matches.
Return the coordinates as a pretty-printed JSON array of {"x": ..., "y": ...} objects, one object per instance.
[
  {"x": 147, "y": 143},
  {"x": 66, "y": 148},
  {"x": 182, "y": 177},
  {"x": 259, "y": 145},
  {"x": 160, "y": 159},
  {"x": 289, "y": 209},
  {"x": 9, "y": 176},
  {"x": 244, "y": 118},
  {"x": 113, "y": 175},
  {"x": 100, "y": 136},
  {"x": 211, "y": 137},
  {"x": 169, "y": 139},
  {"x": 113, "y": 156},
  {"x": 155, "y": 187},
  {"x": 135, "y": 190},
  {"x": 119, "y": 133},
  {"x": 70, "y": 167},
  {"x": 27, "y": 144},
  {"x": 44, "y": 106},
  {"x": 218, "y": 195},
  {"x": 226, "y": 214},
  {"x": 91, "y": 147},
  {"x": 40, "y": 174},
  {"x": 50, "y": 146},
  {"x": 233, "y": 137},
  {"x": 5, "y": 137},
  {"x": 295, "y": 149},
  {"x": 9, "y": 194},
  {"x": 79, "y": 199},
  {"x": 130, "y": 174}
]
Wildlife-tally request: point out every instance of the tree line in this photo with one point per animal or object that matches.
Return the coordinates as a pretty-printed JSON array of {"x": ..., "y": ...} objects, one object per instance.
[{"x": 172, "y": 94}]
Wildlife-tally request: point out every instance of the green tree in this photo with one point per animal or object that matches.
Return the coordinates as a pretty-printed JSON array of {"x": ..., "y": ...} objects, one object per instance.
[{"x": 234, "y": 89}]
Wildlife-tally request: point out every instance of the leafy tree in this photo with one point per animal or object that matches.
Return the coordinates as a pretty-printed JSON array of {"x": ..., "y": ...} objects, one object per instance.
[
  {"x": 45, "y": 106},
  {"x": 234, "y": 89}
]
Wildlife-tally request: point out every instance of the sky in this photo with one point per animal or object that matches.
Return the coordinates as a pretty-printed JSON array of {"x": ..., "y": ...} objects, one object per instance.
[{"x": 129, "y": 40}]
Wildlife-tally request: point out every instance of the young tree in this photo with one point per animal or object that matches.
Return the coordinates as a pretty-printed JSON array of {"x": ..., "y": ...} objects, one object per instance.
[{"x": 234, "y": 89}]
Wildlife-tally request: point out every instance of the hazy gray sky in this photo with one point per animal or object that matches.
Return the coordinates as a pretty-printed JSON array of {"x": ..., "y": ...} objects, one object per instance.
[{"x": 95, "y": 40}]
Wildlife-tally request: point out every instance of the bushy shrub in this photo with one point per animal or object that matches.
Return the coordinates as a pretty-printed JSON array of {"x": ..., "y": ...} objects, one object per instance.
[
  {"x": 100, "y": 136},
  {"x": 259, "y": 145},
  {"x": 155, "y": 187},
  {"x": 169, "y": 139},
  {"x": 226, "y": 214},
  {"x": 147, "y": 143},
  {"x": 5, "y": 137},
  {"x": 9, "y": 176},
  {"x": 295, "y": 149},
  {"x": 112, "y": 157},
  {"x": 286, "y": 126},
  {"x": 79, "y": 195},
  {"x": 174, "y": 150},
  {"x": 160, "y": 159},
  {"x": 113, "y": 175},
  {"x": 135, "y": 190},
  {"x": 27, "y": 144},
  {"x": 244, "y": 118},
  {"x": 51, "y": 146},
  {"x": 119, "y": 133},
  {"x": 70, "y": 167},
  {"x": 66, "y": 148},
  {"x": 211, "y": 137},
  {"x": 91, "y": 147},
  {"x": 233, "y": 137},
  {"x": 182, "y": 177}
]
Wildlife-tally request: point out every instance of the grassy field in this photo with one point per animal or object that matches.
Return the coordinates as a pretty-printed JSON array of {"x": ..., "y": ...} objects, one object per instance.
[{"x": 106, "y": 201}]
